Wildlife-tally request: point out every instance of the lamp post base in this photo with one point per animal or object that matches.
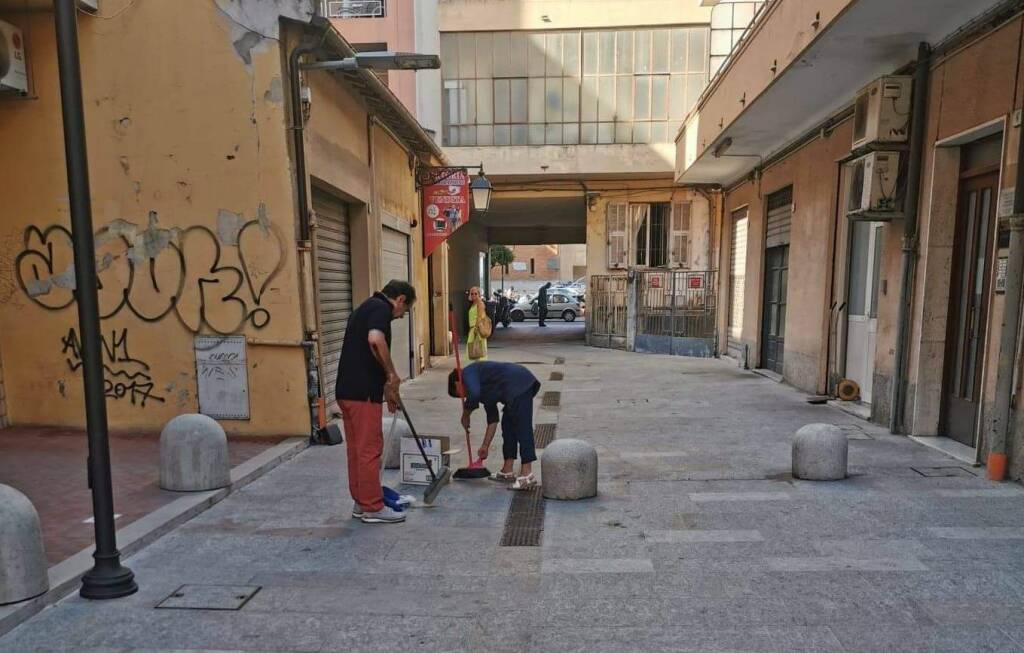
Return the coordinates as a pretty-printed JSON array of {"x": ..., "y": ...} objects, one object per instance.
[{"x": 108, "y": 579}]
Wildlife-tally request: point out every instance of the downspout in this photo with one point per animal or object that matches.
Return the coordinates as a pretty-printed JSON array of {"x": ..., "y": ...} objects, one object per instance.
[
  {"x": 911, "y": 203},
  {"x": 306, "y": 45},
  {"x": 997, "y": 435}
]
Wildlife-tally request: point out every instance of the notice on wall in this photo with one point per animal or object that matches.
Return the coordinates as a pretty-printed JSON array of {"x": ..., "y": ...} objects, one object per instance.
[
  {"x": 1006, "y": 197},
  {"x": 445, "y": 205},
  {"x": 1000, "y": 285},
  {"x": 222, "y": 376}
]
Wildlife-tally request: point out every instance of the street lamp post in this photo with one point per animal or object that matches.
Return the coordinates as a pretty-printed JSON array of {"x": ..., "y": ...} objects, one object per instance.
[{"x": 108, "y": 578}]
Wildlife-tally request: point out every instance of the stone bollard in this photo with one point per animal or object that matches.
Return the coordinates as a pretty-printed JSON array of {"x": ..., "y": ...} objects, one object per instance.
[
  {"x": 820, "y": 453},
  {"x": 393, "y": 456},
  {"x": 569, "y": 470},
  {"x": 193, "y": 455},
  {"x": 22, "y": 556}
]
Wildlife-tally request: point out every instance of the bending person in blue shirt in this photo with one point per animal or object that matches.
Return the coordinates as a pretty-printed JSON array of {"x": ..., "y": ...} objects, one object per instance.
[{"x": 489, "y": 383}]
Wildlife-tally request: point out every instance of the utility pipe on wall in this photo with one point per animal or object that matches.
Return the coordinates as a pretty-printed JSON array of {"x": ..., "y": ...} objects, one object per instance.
[{"x": 910, "y": 209}]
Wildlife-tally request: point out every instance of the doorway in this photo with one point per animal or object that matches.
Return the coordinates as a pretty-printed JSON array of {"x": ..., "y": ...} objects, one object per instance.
[
  {"x": 968, "y": 314},
  {"x": 395, "y": 265},
  {"x": 776, "y": 277},
  {"x": 862, "y": 304}
]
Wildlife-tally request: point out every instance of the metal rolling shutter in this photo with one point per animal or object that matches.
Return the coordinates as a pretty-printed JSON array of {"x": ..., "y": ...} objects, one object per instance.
[
  {"x": 334, "y": 279},
  {"x": 737, "y": 279},
  {"x": 395, "y": 265},
  {"x": 780, "y": 215}
]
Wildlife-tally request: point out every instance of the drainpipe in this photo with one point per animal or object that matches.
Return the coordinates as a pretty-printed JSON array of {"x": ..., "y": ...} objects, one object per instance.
[
  {"x": 910, "y": 208},
  {"x": 1000, "y": 428},
  {"x": 297, "y": 127}
]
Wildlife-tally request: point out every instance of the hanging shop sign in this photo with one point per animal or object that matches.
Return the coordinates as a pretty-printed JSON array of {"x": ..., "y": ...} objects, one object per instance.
[{"x": 445, "y": 204}]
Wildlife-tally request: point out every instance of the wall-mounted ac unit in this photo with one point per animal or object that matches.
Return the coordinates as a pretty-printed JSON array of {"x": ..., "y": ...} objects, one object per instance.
[
  {"x": 13, "y": 75},
  {"x": 881, "y": 112},
  {"x": 873, "y": 185}
]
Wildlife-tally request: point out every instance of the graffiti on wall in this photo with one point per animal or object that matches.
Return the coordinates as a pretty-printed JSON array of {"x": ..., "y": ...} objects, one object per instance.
[
  {"x": 125, "y": 377},
  {"x": 154, "y": 272}
]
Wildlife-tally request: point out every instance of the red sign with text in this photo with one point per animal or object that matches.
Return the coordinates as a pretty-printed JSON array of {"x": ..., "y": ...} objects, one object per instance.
[{"x": 445, "y": 209}]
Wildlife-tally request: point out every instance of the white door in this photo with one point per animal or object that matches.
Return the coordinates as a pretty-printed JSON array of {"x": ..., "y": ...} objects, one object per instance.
[
  {"x": 395, "y": 265},
  {"x": 862, "y": 304}
]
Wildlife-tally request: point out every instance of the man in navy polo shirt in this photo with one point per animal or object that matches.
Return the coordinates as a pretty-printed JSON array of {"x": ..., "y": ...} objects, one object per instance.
[{"x": 367, "y": 378}]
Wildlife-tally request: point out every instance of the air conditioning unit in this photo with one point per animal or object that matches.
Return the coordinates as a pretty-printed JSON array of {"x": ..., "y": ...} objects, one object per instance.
[
  {"x": 881, "y": 112},
  {"x": 354, "y": 8},
  {"x": 13, "y": 75},
  {"x": 873, "y": 185}
]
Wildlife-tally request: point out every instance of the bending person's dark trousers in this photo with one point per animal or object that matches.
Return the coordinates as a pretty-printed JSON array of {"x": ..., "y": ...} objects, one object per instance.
[{"x": 517, "y": 428}]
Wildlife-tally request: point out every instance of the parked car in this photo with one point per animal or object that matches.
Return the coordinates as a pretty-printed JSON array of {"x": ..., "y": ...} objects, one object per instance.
[{"x": 561, "y": 303}]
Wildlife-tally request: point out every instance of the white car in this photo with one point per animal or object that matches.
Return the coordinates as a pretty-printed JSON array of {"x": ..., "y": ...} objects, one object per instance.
[{"x": 561, "y": 303}]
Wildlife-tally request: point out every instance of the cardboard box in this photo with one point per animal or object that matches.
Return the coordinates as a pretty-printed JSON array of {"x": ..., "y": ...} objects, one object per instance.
[{"x": 414, "y": 469}]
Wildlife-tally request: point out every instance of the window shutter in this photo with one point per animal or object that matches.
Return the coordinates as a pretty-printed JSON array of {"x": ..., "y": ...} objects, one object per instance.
[
  {"x": 679, "y": 236},
  {"x": 615, "y": 228}
]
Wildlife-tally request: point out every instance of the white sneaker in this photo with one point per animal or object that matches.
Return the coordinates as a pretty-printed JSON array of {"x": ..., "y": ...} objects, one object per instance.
[
  {"x": 384, "y": 516},
  {"x": 357, "y": 511}
]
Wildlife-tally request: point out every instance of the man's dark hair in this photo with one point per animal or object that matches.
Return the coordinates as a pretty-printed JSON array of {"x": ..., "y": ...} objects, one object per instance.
[
  {"x": 453, "y": 384},
  {"x": 396, "y": 288}
]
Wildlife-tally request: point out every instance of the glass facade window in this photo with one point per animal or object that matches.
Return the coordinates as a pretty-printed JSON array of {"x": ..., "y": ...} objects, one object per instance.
[
  {"x": 729, "y": 20},
  {"x": 570, "y": 87}
]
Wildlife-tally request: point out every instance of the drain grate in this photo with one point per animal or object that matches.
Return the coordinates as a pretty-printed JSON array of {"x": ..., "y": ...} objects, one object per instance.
[
  {"x": 940, "y": 472},
  {"x": 543, "y": 434},
  {"x": 559, "y": 361},
  {"x": 209, "y": 597},
  {"x": 557, "y": 376},
  {"x": 551, "y": 399},
  {"x": 525, "y": 522}
]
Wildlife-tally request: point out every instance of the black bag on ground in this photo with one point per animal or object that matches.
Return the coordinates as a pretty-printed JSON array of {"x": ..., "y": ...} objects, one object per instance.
[{"x": 329, "y": 435}]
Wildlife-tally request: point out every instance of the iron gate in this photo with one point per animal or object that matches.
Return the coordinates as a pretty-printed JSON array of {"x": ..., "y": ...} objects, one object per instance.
[
  {"x": 677, "y": 312},
  {"x": 607, "y": 311}
]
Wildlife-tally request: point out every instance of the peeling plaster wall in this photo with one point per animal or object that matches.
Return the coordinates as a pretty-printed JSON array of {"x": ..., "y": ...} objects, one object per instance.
[
  {"x": 192, "y": 205},
  {"x": 3, "y": 397}
]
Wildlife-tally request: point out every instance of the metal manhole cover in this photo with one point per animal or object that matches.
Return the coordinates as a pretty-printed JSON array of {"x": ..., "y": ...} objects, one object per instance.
[
  {"x": 209, "y": 597},
  {"x": 543, "y": 434},
  {"x": 557, "y": 376},
  {"x": 940, "y": 472},
  {"x": 525, "y": 522},
  {"x": 551, "y": 399}
]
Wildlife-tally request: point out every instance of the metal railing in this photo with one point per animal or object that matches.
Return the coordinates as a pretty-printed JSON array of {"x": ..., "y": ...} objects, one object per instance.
[
  {"x": 607, "y": 311},
  {"x": 353, "y": 8},
  {"x": 677, "y": 304}
]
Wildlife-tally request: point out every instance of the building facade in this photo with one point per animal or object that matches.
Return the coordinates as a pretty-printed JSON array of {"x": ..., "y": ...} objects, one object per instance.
[
  {"x": 866, "y": 209},
  {"x": 233, "y": 236},
  {"x": 571, "y": 108}
]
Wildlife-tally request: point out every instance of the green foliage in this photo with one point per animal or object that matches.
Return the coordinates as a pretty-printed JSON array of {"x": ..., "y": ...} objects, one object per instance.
[{"x": 501, "y": 256}]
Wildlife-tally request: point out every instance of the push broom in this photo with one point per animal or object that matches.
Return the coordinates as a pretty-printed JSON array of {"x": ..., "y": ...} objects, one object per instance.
[{"x": 476, "y": 467}]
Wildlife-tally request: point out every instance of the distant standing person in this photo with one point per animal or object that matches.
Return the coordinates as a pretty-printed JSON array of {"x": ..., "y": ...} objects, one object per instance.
[
  {"x": 542, "y": 302},
  {"x": 480, "y": 327},
  {"x": 367, "y": 378}
]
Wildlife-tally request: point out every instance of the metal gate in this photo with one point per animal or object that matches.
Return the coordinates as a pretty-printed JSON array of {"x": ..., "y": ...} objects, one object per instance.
[
  {"x": 607, "y": 311},
  {"x": 395, "y": 265},
  {"x": 677, "y": 313}
]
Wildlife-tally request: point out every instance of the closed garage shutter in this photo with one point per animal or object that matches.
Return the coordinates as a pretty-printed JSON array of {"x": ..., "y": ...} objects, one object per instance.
[
  {"x": 780, "y": 215},
  {"x": 334, "y": 279},
  {"x": 395, "y": 265},
  {"x": 737, "y": 280}
]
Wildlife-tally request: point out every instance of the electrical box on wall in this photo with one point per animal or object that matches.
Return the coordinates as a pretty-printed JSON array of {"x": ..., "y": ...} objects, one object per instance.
[
  {"x": 13, "y": 72},
  {"x": 873, "y": 186},
  {"x": 881, "y": 111}
]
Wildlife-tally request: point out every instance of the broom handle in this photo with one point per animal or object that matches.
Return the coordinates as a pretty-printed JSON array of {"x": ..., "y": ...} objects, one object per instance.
[{"x": 458, "y": 375}]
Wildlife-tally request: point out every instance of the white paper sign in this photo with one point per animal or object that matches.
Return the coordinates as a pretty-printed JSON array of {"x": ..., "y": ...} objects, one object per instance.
[
  {"x": 222, "y": 376},
  {"x": 1006, "y": 197}
]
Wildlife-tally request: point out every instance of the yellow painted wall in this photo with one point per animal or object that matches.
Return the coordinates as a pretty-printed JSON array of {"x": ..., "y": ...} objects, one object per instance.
[
  {"x": 190, "y": 179},
  {"x": 3, "y": 398}
]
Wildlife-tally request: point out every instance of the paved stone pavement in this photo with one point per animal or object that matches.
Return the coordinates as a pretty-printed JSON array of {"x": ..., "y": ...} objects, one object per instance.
[
  {"x": 48, "y": 466},
  {"x": 698, "y": 541}
]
